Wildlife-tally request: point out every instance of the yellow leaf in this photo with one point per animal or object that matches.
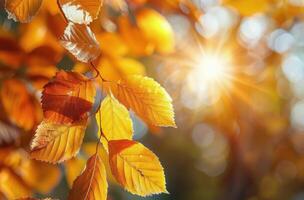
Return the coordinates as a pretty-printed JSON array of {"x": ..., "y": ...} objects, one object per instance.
[
  {"x": 114, "y": 120},
  {"x": 81, "y": 11},
  {"x": 90, "y": 149},
  {"x": 80, "y": 41},
  {"x": 119, "y": 68},
  {"x": 22, "y": 10},
  {"x": 147, "y": 99},
  {"x": 136, "y": 168},
  {"x": 56, "y": 142},
  {"x": 12, "y": 186},
  {"x": 92, "y": 183},
  {"x": 156, "y": 29},
  {"x": 73, "y": 168}
]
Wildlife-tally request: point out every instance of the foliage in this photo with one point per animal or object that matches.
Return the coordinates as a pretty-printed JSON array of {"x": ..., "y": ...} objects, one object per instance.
[{"x": 67, "y": 105}]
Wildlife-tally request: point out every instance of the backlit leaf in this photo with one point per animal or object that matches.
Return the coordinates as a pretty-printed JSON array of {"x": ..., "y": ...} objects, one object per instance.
[
  {"x": 147, "y": 99},
  {"x": 56, "y": 143},
  {"x": 92, "y": 183},
  {"x": 114, "y": 119},
  {"x": 22, "y": 10},
  {"x": 81, "y": 11},
  {"x": 89, "y": 149},
  {"x": 67, "y": 98},
  {"x": 80, "y": 41},
  {"x": 136, "y": 168}
]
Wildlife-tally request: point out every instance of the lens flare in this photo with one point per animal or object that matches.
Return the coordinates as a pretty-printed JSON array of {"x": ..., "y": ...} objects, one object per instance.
[{"x": 209, "y": 76}]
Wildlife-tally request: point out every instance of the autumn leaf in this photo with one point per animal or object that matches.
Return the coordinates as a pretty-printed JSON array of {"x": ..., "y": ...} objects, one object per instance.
[
  {"x": 80, "y": 41},
  {"x": 147, "y": 99},
  {"x": 81, "y": 11},
  {"x": 117, "y": 47},
  {"x": 43, "y": 177},
  {"x": 136, "y": 168},
  {"x": 8, "y": 134},
  {"x": 12, "y": 186},
  {"x": 114, "y": 120},
  {"x": 73, "y": 169},
  {"x": 15, "y": 98},
  {"x": 92, "y": 183},
  {"x": 56, "y": 143},
  {"x": 22, "y": 10},
  {"x": 11, "y": 53},
  {"x": 67, "y": 98},
  {"x": 137, "y": 42},
  {"x": 116, "y": 69},
  {"x": 89, "y": 149},
  {"x": 156, "y": 29}
]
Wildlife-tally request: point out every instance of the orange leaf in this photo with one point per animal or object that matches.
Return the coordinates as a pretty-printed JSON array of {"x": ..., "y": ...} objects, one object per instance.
[
  {"x": 136, "y": 168},
  {"x": 67, "y": 98},
  {"x": 12, "y": 186},
  {"x": 15, "y": 98},
  {"x": 92, "y": 183},
  {"x": 80, "y": 41},
  {"x": 81, "y": 11},
  {"x": 56, "y": 143},
  {"x": 22, "y": 10}
]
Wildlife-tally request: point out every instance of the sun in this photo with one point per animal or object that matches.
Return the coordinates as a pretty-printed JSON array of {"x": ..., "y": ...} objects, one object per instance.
[
  {"x": 213, "y": 69},
  {"x": 209, "y": 77}
]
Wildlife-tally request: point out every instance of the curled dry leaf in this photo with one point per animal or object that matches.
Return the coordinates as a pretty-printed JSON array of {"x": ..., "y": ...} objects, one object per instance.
[
  {"x": 80, "y": 41},
  {"x": 67, "y": 98},
  {"x": 22, "y": 10},
  {"x": 92, "y": 183},
  {"x": 147, "y": 99},
  {"x": 114, "y": 120},
  {"x": 15, "y": 98},
  {"x": 56, "y": 143},
  {"x": 136, "y": 168},
  {"x": 81, "y": 11}
]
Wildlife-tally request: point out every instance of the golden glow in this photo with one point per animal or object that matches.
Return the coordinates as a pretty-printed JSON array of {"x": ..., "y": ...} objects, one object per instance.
[
  {"x": 209, "y": 76},
  {"x": 213, "y": 69}
]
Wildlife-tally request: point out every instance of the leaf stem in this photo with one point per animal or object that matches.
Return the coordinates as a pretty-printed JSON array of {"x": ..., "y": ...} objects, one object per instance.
[
  {"x": 59, "y": 6},
  {"x": 98, "y": 73}
]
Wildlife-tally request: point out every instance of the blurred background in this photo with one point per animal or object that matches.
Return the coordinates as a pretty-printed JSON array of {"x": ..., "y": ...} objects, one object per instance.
[{"x": 235, "y": 72}]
